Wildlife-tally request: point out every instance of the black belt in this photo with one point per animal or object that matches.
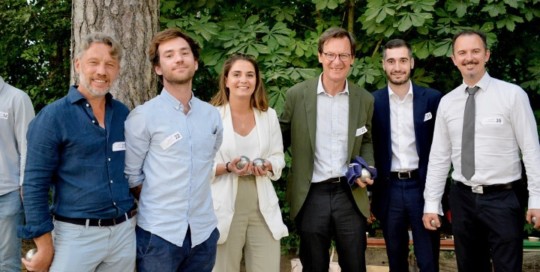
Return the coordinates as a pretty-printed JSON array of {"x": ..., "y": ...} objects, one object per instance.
[
  {"x": 482, "y": 189},
  {"x": 334, "y": 180},
  {"x": 97, "y": 222},
  {"x": 404, "y": 174}
]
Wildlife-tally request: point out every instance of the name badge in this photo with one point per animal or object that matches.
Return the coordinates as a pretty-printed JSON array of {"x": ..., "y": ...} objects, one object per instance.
[
  {"x": 3, "y": 115},
  {"x": 493, "y": 121},
  {"x": 361, "y": 131},
  {"x": 428, "y": 116},
  {"x": 119, "y": 146},
  {"x": 169, "y": 141}
]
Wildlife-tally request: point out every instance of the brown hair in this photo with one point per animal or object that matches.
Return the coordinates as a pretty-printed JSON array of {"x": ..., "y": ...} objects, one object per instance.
[
  {"x": 396, "y": 43},
  {"x": 166, "y": 35},
  {"x": 334, "y": 33},
  {"x": 469, "y": 32},
  {"x": 258, "y": 98}
]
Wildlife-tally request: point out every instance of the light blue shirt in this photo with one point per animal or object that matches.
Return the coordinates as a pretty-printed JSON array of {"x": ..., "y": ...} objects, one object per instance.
[{"x": 172, "y": 154}]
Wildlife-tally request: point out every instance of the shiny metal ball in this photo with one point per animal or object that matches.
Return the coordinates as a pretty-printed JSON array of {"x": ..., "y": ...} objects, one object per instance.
[
  {"x": 433, "y": 224},
  {"x": 242, "y": 162},
  {"x": 30, "y": 254},
  {"x": 258, "y": 162},
  {"x": 365, "y": 174},
  {"x": 533, "y": 220}
]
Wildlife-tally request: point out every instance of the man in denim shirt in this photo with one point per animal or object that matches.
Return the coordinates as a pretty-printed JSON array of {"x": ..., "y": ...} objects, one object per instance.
[
  {"x": 171, "y": 142},
  {"x": 76, "y": 146}
]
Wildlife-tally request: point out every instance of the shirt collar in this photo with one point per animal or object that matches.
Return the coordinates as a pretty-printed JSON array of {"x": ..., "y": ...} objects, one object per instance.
[
  {"x": 177, "y": 105},
  {"x": 409, "y": 93},
  {"x": 483, "y": 83},
  {"x": 320, "y": 87},
  {"x": 75, "y": 96}
]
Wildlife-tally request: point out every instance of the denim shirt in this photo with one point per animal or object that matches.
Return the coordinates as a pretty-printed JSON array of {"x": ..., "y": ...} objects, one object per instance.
[{"x": 82, "y": 162}]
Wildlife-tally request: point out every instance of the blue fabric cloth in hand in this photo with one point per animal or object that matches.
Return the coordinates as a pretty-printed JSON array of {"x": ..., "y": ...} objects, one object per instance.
[{"x": 355, "y": 170}]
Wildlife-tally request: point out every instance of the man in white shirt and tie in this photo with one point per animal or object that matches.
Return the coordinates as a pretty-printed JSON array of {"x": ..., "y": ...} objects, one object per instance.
[{"x": 487, "y": 218}]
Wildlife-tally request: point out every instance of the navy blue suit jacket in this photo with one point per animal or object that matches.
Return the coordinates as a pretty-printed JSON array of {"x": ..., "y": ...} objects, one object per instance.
[{"x": 425, "y": 104}]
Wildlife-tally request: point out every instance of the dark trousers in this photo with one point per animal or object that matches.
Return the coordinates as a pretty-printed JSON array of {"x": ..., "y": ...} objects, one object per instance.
[
  {"x": 406, "y": 209},
  {"x": 330, "y": 212},
  {"x": 157, "y": 254},
  {"x": 487, "y": 226}
]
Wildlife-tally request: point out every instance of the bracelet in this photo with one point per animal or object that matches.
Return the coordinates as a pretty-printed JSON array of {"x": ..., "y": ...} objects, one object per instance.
[{"x": 227, "y": 167}]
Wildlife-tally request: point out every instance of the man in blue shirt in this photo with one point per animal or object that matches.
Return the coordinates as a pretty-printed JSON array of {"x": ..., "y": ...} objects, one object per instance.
[
  {"x": 171, "y": 142},
  {"x": 76, "y": 146}
]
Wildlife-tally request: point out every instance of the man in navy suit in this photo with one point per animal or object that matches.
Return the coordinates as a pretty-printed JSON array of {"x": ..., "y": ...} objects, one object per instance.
[{"x": 403, "y": 123}]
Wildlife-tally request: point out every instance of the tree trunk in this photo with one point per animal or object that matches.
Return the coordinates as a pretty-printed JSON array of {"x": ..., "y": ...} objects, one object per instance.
[{"x": 132, "y": 23}]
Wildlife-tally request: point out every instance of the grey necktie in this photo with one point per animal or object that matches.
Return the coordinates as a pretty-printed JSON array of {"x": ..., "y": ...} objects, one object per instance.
[{"x": 467, "y": 140}]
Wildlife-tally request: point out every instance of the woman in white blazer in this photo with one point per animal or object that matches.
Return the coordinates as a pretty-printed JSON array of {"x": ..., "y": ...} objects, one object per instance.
[{"x": 245, "y": 202}]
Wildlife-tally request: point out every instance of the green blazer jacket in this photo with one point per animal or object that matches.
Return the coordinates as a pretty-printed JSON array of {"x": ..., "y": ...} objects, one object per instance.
[{"x": 298, "y": 125}]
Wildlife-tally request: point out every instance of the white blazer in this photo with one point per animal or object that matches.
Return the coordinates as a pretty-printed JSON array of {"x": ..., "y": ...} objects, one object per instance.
[{"x": 225, "y": 187}]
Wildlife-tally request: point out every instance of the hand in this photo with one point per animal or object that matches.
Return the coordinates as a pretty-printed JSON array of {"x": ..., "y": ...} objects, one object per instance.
[
  {"x": 533, "y": 217},
  {"x": 247, "y": 170},
  {"x": 42, "y": 259},
  {"x": 364, "y": 183},
  {"x": 431, "y": 221}
]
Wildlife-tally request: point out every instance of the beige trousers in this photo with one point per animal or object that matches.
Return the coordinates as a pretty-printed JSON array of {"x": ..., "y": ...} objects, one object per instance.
[{"x": 249, "y": 235}]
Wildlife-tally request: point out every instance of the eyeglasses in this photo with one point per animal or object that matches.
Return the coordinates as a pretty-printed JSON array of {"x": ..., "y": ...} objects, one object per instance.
[{"x": 332, "y": 56}]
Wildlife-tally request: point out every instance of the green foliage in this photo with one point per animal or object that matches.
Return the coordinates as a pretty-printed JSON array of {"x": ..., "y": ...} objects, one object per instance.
[{"x": 34, "y": 47}]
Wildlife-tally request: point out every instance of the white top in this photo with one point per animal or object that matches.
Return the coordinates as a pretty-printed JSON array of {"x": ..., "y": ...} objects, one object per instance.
[
  {"x": 249, "y": 144},
  {"x": 16, "y": 111},
  {"x": 404, "y": 154},
  {"x": 505, "y": 125},
  {"x": 331, "y": 134}
]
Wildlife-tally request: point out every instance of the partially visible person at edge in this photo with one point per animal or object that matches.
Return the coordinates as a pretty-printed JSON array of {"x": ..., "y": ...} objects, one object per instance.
[
  {"x": 171, "y": 143},
  {"x": 487, "y": 218},
  {"x": 76, "y": 146},
  {"x": 327, "y": 123},
  {"x": 16, "y": 111},
  {"x": 245, "y": 202},
  {"x": 403, "y": 122}
]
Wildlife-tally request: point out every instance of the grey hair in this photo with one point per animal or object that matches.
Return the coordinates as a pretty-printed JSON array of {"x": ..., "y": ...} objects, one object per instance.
[{"x": 98, "y": 37}]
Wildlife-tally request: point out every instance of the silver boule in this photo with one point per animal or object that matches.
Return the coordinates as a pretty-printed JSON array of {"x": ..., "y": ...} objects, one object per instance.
[
  {"x": 365, "y": 174},
  {"x": 533, "y": 220},
  {"x": 30, "y": 254},
  {"x": 258, "y": 162},
  {"x": 242, "y": 162},
  {"x": 433, "y": 224}
]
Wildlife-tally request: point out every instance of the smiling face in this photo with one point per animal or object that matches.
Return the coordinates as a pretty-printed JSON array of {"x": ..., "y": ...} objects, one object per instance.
[
  {"x": 336, "y": 70},
  {"x": 398, "y": 65},
  {"x": 97, "y": 70},
  {"x": 470, "y": 56},
  {"x": 177, "y": 63},
  {"x": 241, "y": 79}
]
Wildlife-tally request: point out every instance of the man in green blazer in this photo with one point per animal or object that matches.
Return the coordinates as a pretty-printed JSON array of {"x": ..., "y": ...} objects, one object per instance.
[{"x": 327, "y": 122}]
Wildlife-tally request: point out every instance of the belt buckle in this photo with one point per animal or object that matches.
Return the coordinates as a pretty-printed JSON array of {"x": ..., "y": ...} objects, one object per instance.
[
  {"x": 404, "y": 175},
  {"x": 477, "y": 189}
]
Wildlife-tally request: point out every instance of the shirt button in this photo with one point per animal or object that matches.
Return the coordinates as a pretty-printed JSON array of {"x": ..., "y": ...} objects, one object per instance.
[
  {"x": 93, "y": 121},
  {"x": 108, "y": 159},
  {"x": 114, "y": 203},
  {"x": 87, "y": 105},
  {"x": 111, "y": 181}
]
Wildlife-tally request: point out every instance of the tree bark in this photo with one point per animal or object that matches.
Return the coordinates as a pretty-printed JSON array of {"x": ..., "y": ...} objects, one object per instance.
[{"x": 132, "y": 23}]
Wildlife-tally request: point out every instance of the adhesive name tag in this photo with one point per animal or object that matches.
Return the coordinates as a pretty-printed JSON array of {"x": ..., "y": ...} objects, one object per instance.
[
  {"x": 169, "y": 141},
  {"x": 493, "y": 121},
  {"x": 428, "y": 116},
  {"x": 3, "y": 115},
  {"x": 119, "y": 146},
  {"x": 361, "y": 131}
]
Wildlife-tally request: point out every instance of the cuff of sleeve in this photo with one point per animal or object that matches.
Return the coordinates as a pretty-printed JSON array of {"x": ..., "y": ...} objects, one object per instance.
[
  {"x": 433, "y": 207},
  {"x": 534, "y": 202},
  {"x": 30, "y": 231},
  {"x": 135, "y": 181}
]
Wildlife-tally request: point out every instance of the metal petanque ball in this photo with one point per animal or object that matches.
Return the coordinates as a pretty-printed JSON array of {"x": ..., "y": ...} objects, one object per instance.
[
  {"x": 242, "y": 162},
  {"x": 365, "y": 174},
  {"x": 432, "y": 222},
  {"x": 30, "y": 254},
  {"x": 533, "y": 220},
  {"x": 258, "y": 162}
]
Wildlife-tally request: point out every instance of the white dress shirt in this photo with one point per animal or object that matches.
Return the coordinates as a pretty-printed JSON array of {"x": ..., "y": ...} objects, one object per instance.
[
  {"x": 331, "y": 135},
  {"x": 404, "y": 154},
  {"x": 505, "y": 126}
]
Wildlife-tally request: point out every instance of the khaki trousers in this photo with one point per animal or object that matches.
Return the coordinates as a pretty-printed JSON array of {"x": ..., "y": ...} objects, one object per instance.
[{"x": 249, "y": 235}]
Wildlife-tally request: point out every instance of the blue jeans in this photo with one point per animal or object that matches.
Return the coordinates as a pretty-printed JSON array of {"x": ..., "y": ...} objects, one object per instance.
[
  {"x": 156, "y": 254},
  {"x": 11, "y": 214}
]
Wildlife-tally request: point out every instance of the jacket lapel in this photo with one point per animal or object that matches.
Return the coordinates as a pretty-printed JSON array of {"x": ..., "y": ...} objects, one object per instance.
[{"x": 310, "y": 103}]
